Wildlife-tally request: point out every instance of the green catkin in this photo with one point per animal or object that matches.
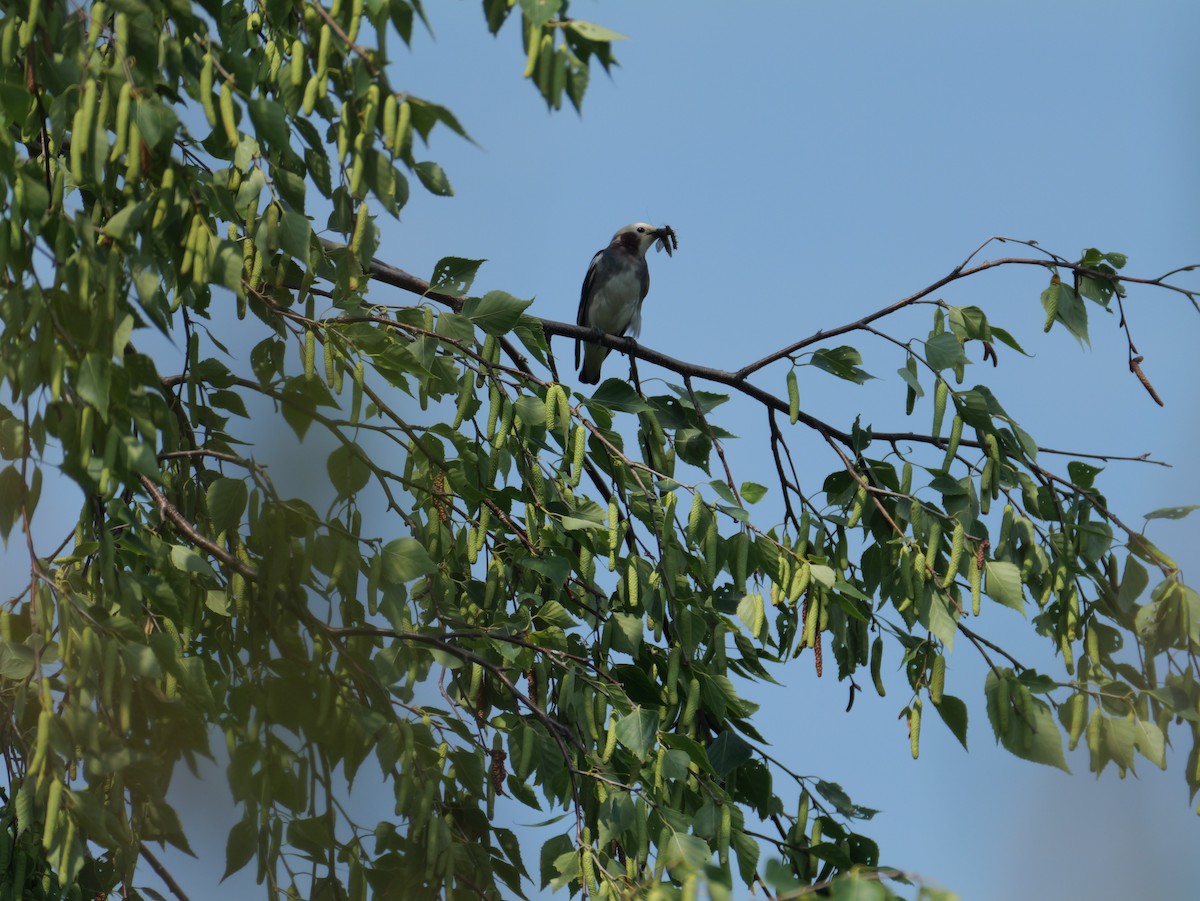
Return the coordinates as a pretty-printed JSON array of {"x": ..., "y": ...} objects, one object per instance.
[
  {"x": 914, "y": 728},
  {"x": 296, "y": 68},
  {"x": 987, "y": 486},
  {"x": 975, "y": 574},
  {"x": 610, "y": 740},
  {"x": 1006, "y": 525},
  {"x": 760, "y": 615},
  {"x": 741, "y": 560},
  {"x": 692, "y": 705},
  {"x": 919, "y": 568},
  {"x": 710, "y": 550},
  {"x": 403, "y": 129},
  {"x": 206, "y": 89},
  {"x": 937, "y": 679},
  {"x": 494, "y": 404},
  {"x": 940, "y": 394},
  {"x": 552, "y": 406},
  {"x": 506, "y": 421},
  {"x": 228, "y": 120},
  {"x": 693, "y": 527},
  {"x": 466, "y": 391},
  {"x": 578, "y": 451},
  {"x": 121, "y": 128},
  {"x": 956, "y": 427},
  {"x": 957, "y": 545},
  {"x": 674, "y": 661},
  {"x": 801, "y": 578},
  {"x": 877, "y": 665},
  {"x": 857, "y": 506},
  {"x": 934, "y": 544},
  {"x": 809, "y": 637},
  {"x": 1079, "y": 709}
]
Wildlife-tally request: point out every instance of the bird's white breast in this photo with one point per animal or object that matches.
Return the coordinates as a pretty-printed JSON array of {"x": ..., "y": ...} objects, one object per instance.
[{"x": 614, "y": 307}]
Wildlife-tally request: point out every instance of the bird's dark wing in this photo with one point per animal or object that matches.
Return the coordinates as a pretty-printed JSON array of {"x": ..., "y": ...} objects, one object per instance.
[{"x": 585, "y": 298}]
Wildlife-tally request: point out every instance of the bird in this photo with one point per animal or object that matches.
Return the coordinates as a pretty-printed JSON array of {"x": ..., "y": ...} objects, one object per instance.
[{"x": 613, "y": 290}]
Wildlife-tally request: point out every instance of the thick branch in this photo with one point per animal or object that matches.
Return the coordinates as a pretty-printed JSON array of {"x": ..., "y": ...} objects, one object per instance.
[{"x": 738, "y": 380}]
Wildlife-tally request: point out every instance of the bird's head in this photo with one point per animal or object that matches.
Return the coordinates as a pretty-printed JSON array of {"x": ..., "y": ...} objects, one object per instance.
[{"x": 640, "y": 237}]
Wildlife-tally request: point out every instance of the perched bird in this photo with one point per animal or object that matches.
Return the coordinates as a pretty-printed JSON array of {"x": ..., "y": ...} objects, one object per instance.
[{"x": 613, "y": 290}]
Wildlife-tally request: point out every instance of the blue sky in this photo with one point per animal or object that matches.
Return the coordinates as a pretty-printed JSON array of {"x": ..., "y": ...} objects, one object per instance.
[{"x": 818, "y": 162}]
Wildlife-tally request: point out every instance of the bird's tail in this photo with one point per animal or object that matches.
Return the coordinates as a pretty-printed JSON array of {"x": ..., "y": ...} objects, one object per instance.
[{"x": 593, "y": 359}]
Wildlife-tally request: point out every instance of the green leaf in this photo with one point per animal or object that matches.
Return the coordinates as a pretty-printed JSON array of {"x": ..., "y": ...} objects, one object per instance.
[
  {"x": 728, "y": 752},
  {"x": 556, "y": 569},
  {"x": 454, "y": 275},
  {"x": 618, "y": 395},
  {"x": 240, "y": 846},
  {"x": 552, "y": 851},
  {"x": 575, "y": 524},
  {"x": 404, "y": 559},
  {"x": 1133, "y": 582},
  {"x": 687, "y": 851},
  {"x": 226, "y": 270},
  {"x": 12, "y": 437},
  {"x": 155, "y": 120},
  {"x": 823, "y": 574},
  {"x": 496, "y": 312},
  {"x": 954, "y": 714},
  {"x": 592, "y": 32},
  {"x": 836, "y": 795},
  {"x": 433, "y": 177},
  {"x": 187, "y": 560},
  {"x": 747, "y": 608},
  {"x": 92, "y": 382},
  {"x": 694, "y": 750},
  {"x": 295, "y": 232},
  {"x": 627, "y": 633},
  {"x": 539, "y": 12},
  {"x": 139, "y": 457},
  {"x": 843, "y": 362},
  {"x": 969, "y": 324},
  {"x": 553, "y": 614},
  {"x": 752, "y": 492},
  {"x": 12, "y": 489},
  {"x": 636, "y": 731},
  {"x": 226, "y": 503},
  {"x": 1005, "y": 338},
  {"x": 141, "y": 661},
  {"x": 270, "y": 122},
  {"x": 348, "y": 471},
  {"x": 1003, "y": 584},
  {"x": 1022, "y": 723},
  {"x": 723, "y": 491},
  {"x": 16, "y": 661},
  {"x": 1172, "y": 512},
  {"x": 1149, "y": 739},
  {"x": 693, "y": 446},
  {"x": 1083, "y": 474},
  {"x": 127, "y": 220},
  {"x": 909, "y": 374},
  {"x": 935, "y": 614},
  {"x": 311, "y": 835},
  {"x": 1062, "y": 304},
  {"x": 944, "y": 351}
]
